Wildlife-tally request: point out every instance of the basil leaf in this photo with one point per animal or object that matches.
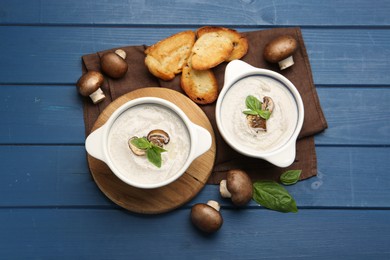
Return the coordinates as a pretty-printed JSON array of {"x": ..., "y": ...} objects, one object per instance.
[
  {"x": 154, "y": 156},
  {"x": 264, "y": 114},
  {"x": 252, "y": 103},
  {"x": 254, "y": 106},
  {"x": 158, "y": 148},
  {"x": 272, "y": 195},
  {"x": 141, "y": 143},
  {"x": 290, "y": 177},
  {"x": 250, "y": 112}
]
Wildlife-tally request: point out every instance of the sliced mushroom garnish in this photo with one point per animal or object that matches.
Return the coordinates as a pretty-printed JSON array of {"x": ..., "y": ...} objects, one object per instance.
[
  {"x": 158, "y": 137},
  {"x": 257, "y": 122},
  {"x": 134, "y": 149},
  {"x": 268, "y": 104}
]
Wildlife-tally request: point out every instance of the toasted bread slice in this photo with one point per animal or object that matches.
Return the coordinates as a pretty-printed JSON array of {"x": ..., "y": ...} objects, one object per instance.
[
  {"x": 209, "y": 50},
  {"x": 199, "y": 85},
  {"x": 166, "y": 58},
  {"x": 240, "y": 42}
]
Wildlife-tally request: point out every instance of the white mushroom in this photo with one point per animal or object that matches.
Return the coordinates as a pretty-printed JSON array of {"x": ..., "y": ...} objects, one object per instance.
[
  {"x": 89, "y": 85},
  {"x": 237, "y": 187},
  {"x": 207, "y": 217},
  {"x": 281, "y": 50},
  {"x": 113, "y": 64}
]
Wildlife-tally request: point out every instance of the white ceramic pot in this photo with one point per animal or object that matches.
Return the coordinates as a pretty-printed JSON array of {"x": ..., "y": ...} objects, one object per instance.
[
  {"x": 282, "y": 154},
  {"x": 97, "y": 144}
]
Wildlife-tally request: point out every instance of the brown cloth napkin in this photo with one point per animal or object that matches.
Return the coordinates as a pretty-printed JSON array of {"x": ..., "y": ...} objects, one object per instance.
[{"x": 299, "y": 74}]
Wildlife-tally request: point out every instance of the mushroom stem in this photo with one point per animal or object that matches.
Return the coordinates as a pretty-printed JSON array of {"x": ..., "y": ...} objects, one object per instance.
[
  {"x": 214, "y": 204},
  {"x": 287, "y": 62},
  {"x": 237, "y": 187},
  {"x": 97, "y": 96},
  {"x": 121, "y": 53},
  {"x": 224, "y": 190}
]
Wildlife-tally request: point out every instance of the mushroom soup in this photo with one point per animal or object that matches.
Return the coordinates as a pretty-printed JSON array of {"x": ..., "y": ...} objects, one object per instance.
[
  {"x": 139, "y": 121},
  {"x": 280, "y": 125}
]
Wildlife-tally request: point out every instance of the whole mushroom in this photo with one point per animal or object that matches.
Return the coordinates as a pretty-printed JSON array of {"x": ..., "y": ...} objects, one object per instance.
[
  {"x": 207, "y": 217},
  {"x": 89, "y": 85},
  {"x": 280, "y": 50},
  {"x": 237, "y": 187},
  {"x": 113, "y": 64}
]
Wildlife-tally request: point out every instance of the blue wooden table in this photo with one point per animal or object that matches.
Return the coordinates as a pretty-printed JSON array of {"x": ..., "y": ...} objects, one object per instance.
[{"x": 50, "y": 207}]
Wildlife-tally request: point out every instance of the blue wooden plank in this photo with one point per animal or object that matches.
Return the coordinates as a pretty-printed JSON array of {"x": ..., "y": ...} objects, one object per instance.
[
  {"x": 348, "y": 177},
  {"x": 53, "y": 56},
  {"x": 53, "y": 114},
  {"x": 245, "y": 234},
  {"x": 355, "y": 116},
  {"x": 51, "y": 208},
  {"x": 43, "y": 114},
  {"x": 242, "y": 13},
  {"x": 47, "y": 176},
  {"x": 58, "y": 176}
]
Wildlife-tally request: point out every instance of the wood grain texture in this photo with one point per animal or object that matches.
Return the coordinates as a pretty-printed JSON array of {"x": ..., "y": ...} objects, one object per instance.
[
  {"x": 47, "y": 110},
  {"x": 173, "y": 195},
  {"x": 58, "y": 176},
  {"x": 51, "y": 208},
  {"x": 337, "y": 56},
  {"x": 242, "y": 13},
  {"x": 253, "y": 234}
]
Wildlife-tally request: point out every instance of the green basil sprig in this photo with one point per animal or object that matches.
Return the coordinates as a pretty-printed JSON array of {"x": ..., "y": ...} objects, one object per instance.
[
  {"x": 153, "y": 152},
  {"x": 254, "y": 108},
  {"x": 272, "y": 195},
  {"x": 290, "y": 177}
]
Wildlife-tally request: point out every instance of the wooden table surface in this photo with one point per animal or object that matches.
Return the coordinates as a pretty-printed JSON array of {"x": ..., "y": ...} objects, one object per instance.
[{"x": 50, "y": 207}]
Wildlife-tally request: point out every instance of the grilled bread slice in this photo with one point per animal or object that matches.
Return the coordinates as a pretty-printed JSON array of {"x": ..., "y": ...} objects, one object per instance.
[
  {"x": 199, "y": 85},
  {"x": 166, "y": 58},
  {"x": 210, "y": 49},
  {"x": 240, "y": 42}
]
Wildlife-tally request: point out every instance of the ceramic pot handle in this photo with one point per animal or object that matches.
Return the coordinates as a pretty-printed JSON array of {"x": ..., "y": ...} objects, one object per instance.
[
  {"x": 283, "y": 158},
  {"x": 94, "y": 144},
  {"x": 202, "y": 141},
  {"x": 235, "y": 69}
]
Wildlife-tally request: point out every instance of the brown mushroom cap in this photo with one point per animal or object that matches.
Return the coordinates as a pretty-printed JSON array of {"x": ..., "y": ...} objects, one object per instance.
[
  {"x": 90, "y": 82},
  {"x": 113, "y": 65},
  {"x": 280, "y": 48},
  {"x": 239, "y": 185},
  {"x": 206, "y": 218},
  {"x": 158, "y": 137}
]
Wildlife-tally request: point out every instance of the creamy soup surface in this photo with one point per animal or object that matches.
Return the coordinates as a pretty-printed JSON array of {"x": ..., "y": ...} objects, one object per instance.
[
  {"x": 139, "y": 121},
  {"x": 281, "y": 124}
]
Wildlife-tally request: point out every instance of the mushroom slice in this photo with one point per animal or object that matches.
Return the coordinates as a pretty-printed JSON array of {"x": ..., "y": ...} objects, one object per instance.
[
  {"x": 134, "y": 149},
  {"x": 257, "y": 122},
  {"x": 158, "y": 137},
  {"x": 268, "y": 104}
]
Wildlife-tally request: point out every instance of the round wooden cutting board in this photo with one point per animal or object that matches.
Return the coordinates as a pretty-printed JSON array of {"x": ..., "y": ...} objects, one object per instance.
[{"x": 164, "y": 199}]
